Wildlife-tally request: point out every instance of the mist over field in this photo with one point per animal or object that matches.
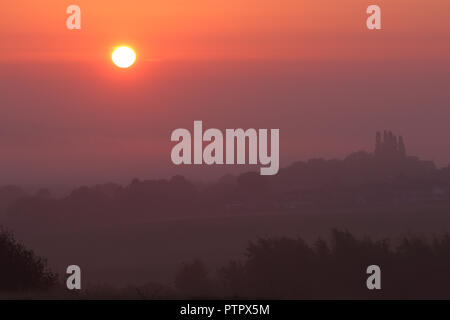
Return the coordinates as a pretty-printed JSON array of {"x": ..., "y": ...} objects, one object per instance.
[{"x": 153, "y": 251}]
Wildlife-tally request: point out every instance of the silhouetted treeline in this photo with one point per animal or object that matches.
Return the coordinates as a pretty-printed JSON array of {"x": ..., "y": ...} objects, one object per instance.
[
  {"x": 386, "y": 177},
  {"x": 286, "y": 268},
  {"x": 412, "y": 267}
]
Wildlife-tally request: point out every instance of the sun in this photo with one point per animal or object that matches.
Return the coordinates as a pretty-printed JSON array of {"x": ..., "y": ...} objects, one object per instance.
[{"x": 123, "y": 57}]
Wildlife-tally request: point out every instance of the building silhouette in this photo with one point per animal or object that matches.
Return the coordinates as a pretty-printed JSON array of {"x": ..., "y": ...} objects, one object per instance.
[{"x": 389, "y": 147}]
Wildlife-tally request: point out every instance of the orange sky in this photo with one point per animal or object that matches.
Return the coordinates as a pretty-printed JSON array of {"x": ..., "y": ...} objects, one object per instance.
[
  {"x": 214, "y": 29},
  {"x": 307, "y": 67}
]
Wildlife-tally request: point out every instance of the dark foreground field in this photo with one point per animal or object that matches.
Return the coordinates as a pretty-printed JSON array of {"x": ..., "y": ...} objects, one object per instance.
[{"x": 153, "y": 251}]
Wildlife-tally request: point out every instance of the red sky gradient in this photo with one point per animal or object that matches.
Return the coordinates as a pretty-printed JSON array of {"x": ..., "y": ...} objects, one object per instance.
[
  {"x": 205, "y": 29},
  {"x": 310, "y": 68}
]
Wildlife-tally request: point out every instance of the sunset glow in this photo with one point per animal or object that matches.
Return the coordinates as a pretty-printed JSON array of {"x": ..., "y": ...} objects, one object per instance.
[{"x": 123, "y": 57}]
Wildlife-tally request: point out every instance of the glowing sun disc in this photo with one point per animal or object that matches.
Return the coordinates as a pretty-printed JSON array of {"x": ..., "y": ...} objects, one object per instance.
[{"x": 123, "y": 57}]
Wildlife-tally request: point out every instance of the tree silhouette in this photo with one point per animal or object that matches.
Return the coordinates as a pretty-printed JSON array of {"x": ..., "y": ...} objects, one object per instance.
[
  {"x": 192, "y": 280},
  {"x": 20, "y": 268},
  {"x": 284, "y": 268}
]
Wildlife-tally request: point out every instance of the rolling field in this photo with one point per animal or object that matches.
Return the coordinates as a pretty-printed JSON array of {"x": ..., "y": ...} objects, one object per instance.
[{"x": 153, "y": 251}]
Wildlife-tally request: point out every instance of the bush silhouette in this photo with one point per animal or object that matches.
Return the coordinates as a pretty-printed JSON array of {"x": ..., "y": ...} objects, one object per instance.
[
  {"x": 192, "y": 280},
  {"x": 283, "y": 268},
  {"x": 20, "y": 268}
]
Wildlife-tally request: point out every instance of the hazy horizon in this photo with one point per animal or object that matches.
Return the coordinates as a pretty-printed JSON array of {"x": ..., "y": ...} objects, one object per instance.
[
  {"x": 311, "y": 69},
  {"x": 118, "y": 127}
]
